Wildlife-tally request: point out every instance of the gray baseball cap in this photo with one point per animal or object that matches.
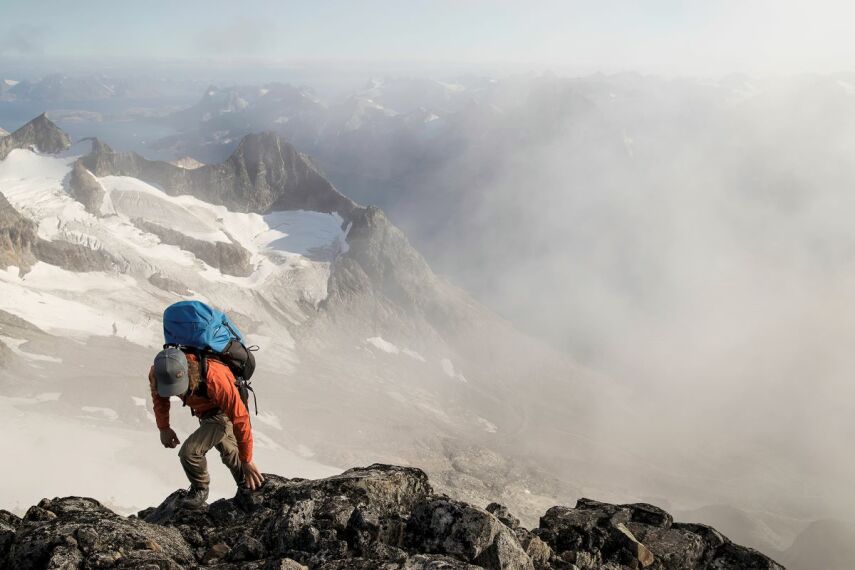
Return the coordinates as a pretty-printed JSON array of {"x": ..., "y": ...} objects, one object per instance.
[{"x": 170, "y": 371}]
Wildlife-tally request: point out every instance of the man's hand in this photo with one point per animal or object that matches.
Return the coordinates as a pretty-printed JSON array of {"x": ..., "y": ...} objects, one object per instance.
[
  {"x": 168, "y": 438},
  {"x": 251, "y": 476}
]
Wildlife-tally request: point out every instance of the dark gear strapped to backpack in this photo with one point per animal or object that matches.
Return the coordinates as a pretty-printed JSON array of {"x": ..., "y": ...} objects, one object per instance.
[{"x": 207, "y": 333}]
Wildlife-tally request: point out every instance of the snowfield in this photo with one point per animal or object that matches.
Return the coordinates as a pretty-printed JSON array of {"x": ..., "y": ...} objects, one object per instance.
[{"x": 290, "y": 256}]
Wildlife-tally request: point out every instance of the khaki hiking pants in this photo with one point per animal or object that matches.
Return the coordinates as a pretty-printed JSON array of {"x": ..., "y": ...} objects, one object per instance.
[{"x": 215, "y": 431}]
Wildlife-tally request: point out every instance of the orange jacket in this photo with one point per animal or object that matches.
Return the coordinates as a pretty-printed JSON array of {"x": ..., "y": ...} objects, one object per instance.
[{"x": 222, "y": 394}]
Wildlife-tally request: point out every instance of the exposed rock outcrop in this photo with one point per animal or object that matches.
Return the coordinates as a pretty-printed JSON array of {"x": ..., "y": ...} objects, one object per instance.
[
  {"x": 264, "y": 174},
  {"x": 40, "y": 133},
  {"x": 17, "y": 236},
  {"x": 230, "y": 258},
  {"x": 168, "y": 284},
  {"x": 393, "y": 279},
  {"x": 376, "y": 517},
  {"x": 86, "y": 189},
  {"x": 20, "y": 246},
  {"x": 74, "y": 256}
]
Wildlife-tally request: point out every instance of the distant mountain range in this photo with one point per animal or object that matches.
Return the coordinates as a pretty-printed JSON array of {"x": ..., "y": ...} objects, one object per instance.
[{"x": 59, "y": 87}]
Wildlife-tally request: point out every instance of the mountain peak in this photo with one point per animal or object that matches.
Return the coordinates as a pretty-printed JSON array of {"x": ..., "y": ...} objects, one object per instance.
[
  {"x": 40, "y": 133},
  {"x": 264, "y": 174}
]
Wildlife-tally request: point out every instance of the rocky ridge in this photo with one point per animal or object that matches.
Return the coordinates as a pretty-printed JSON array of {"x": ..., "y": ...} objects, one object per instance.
[
  {"x": 230, "y": 258},
  {"x": 380, "y": 516},
  {"x": 264, "y": 174},
  {"x": 17, "y": 236},
  {"x": 20, "y": 246},
  {"x": 40, "y": 133}
]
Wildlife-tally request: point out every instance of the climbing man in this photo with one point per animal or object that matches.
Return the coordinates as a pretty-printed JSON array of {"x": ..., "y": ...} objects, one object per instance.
[{"x": 223, "y": 419}]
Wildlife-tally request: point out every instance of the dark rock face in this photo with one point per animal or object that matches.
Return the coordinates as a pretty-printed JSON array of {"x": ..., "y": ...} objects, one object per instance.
[
  {"x": 74, "y": 256},
  {"x": 375, "y": 517},
  {"x": 68, "y": 532},
  {"x": 600, "y": 535},
  {"x": 391, "y": 278},
  {"x": 40, "y": 133},
  {"x": 230, "y": 258},
  {"x": 17, "y": 236},
  {"x": 86, "y": 189},
  {"x": 444, "y": 526},
  {"x": 264, "y": 174},
  {"x": 168, "y": 284},
  {"x": 20, "y": 246}
]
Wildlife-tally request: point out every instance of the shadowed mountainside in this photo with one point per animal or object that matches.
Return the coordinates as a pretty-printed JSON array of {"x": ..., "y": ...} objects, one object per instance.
[
  {"x": 40, "y": 133},
  {"x": 264, "y": 174}
]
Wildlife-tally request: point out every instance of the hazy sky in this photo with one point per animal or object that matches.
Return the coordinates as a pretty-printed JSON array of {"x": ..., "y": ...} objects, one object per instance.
[{"x": 663, "y": 36}]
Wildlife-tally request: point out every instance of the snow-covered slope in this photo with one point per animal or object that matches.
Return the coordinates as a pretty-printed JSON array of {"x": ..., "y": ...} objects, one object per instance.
[{"x": 291, "y": 249}]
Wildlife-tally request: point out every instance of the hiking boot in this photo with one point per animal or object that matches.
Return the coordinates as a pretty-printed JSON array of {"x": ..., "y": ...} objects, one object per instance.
[
  {"x": 195, "y": 498},
  {"x": 246, "y": 498}
]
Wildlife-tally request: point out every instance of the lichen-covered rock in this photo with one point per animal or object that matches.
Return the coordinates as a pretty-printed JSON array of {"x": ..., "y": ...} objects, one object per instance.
[
  {"x": 64, "y": 533},
  {"x": 599, "y": 535},
  {"x": 445, "y": 526},
  {"x": 9, "y": 524},
  {"x": 378, "y": 517}
]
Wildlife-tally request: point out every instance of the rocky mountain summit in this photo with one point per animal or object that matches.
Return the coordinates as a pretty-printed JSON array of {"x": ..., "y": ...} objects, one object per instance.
[
  {"x": 264, "y": 174},
  {"x": 380, "y": 516},
  {"x": 40, "y": 133}
]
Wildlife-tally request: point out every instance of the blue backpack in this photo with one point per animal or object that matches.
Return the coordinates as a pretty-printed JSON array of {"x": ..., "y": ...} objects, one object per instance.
[
  {"x": 199, "y": 329},
  {"x": 193, "y": 323}
]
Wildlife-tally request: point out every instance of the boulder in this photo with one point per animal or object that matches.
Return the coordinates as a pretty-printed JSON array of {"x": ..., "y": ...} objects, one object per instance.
[
  {"x": 599, "y": 535},
  {"x": 446, "y": 526},
  {"x": 66, "y": 532}
]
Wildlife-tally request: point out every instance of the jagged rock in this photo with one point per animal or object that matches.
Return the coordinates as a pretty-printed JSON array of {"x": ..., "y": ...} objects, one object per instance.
[
  {"x": 230, "y": 258},
  {"x": 86, "y": 189},
  {"x": 9, "y": 524},
  {"x": 17, "y": 236},
  {"x": 167, "y": 284},
  {"x": 40, "y": 133},
  {"x": 287, "y": 564},
  {"x": 20, "y": 246},
  {"x": 264, "y": 174},
  {"x": 628, "y": 542},
  {"x": 502, "y": 513},
  {"x": 63, "y": 533},
  {"x": 378, "y": 517},
  {"x": 74, "y": 256},
  {"x": 417, "y": 562},
  {"x": 595, "y": 534},
  {"x": 450, "y": 527},
  {"x": 389, "y": 277}
]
